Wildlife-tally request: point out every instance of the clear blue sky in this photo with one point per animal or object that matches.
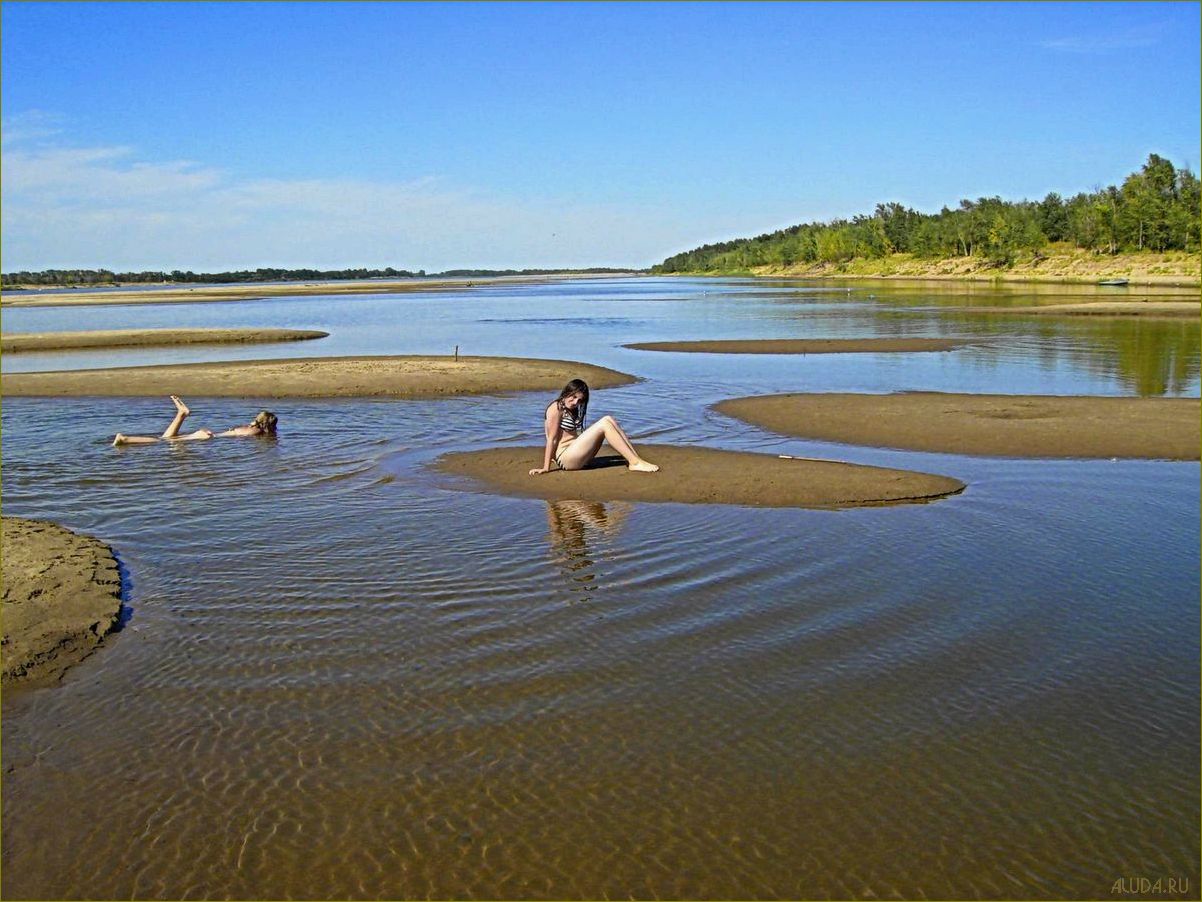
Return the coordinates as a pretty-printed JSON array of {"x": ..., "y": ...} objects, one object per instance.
[{"x": 215, "y": 135}]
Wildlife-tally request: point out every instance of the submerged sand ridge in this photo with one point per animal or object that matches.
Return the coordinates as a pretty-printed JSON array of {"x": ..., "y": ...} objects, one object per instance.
[
  {"x": 1150, "y": 309},
  {"x": 692, "y": 475},
  {"x": 123, "y": 338},
  {"x": 62, "y": 595},
  {"x": 320, "y": 377},
  {"x": 995, "y": 425},
  {"x": 804, "y": 345}
]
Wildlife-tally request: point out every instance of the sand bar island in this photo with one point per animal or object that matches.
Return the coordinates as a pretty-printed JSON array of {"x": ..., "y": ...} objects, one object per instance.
[
  {"x": 695, "y": 475},
  {"x": 994, "y": 425},
  {"x": 321, "y": 377},
  {"x": 15, "y": 343}
]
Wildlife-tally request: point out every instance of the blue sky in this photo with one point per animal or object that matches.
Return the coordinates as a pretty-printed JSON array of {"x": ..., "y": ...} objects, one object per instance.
[{"x": 220, "y": 135}]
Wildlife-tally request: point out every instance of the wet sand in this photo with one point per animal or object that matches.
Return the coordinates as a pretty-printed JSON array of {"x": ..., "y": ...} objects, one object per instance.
[
  {"x": 248, "y": 291},
  {"x": 320, "y": 377},
  {"x": 62, "y": 594},
  {"x": 995, "y": 425},
  {"x": 124, "y": 338},
  {"x": 804, "y": 345},
  {"x": 692, "y": 475},
  {"x": 1170, "y": 309}
]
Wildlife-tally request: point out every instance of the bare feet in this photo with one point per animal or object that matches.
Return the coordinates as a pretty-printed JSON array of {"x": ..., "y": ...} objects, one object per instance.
[
  {"x": 180, "y": 405},
  {"x": 644, "y": 467}
]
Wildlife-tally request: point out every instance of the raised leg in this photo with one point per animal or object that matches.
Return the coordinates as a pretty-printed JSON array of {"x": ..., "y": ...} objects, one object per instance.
[
  {"x": 581, "y": 452},
  {"x": 172, "y": 431},
  {"x": 181, "y": 414}
]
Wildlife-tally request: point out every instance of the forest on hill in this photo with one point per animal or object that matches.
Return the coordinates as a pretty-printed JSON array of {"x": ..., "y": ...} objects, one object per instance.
[{"x": 1157, "y": 208}]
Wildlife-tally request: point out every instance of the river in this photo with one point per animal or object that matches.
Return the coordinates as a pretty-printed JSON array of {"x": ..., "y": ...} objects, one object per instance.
[{"x": 342, "y": 677}]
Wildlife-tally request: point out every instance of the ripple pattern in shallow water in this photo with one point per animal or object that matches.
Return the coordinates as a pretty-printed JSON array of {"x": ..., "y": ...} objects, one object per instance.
[{"x": 343, "y": 680}]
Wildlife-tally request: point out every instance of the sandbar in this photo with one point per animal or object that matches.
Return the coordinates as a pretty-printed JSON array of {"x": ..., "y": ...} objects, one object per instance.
[
  {"x": 804, "y": 345},
  {"x": 992, "y": 425},
  {"x": 62, "y": 595},
  {"x": 319, "y": 377},
  {"x": 1168, "y": 309},
  {"x": 693, "y": 475},
  {"x": 123, "y": 338}
]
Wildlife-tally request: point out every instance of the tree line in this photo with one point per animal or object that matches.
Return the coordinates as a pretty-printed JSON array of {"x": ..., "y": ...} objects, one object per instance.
[
  {"x": 107, "y": 277},
  {"x": 84, "y": 277},
  {"x": 1155, "y": 209}
]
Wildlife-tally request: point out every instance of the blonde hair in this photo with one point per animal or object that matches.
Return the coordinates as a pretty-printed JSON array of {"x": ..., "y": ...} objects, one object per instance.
[{"x": 266, "y": 421}]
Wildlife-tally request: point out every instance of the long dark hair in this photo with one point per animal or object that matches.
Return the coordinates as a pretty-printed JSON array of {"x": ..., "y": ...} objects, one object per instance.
[{"x": 576, "y": 385}]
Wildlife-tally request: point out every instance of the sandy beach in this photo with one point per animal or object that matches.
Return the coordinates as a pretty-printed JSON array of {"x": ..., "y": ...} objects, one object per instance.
[
  {"x": 995, "y": 425},
  {"x": 320, "y": 377},
  {"x": 804, "y": 345},
  {"x": 692, "y": 475},
  {"x": 1059, "y": 265},
  {"x": 62, "y": 594},
  {"x": 124, "y": 338},
  {"x": 249, "y": 291}
]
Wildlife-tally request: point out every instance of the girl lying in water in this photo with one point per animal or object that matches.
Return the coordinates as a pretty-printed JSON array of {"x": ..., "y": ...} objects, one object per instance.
[
  {"x": 573, "y": 447},
  {"x": 263, "y": 424}
]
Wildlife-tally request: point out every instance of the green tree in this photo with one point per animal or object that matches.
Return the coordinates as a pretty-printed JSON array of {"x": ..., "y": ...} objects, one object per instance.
[
  {"x": 900, "y": 225},
  {"x": 1185, "y": 215},
  {"x": 836, "y": 245},
  {"x": 1053, "y": 217}
]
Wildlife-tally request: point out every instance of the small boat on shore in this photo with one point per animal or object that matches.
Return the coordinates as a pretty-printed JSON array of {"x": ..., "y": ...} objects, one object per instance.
[{"x": 1114, "y": 283}]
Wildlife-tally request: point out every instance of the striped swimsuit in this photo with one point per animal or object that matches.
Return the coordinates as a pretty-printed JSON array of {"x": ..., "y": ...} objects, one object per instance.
[{"x": 572, "y": 423}]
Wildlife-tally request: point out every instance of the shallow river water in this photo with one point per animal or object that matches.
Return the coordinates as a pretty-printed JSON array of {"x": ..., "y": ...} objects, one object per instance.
[{"x": 342, "y": 676}]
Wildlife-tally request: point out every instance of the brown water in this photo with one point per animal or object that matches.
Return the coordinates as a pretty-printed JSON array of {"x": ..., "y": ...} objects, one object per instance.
[{"x": 342, "y": 677}]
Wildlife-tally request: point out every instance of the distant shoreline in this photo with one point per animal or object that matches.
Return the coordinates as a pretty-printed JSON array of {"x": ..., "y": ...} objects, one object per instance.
[
  {"x": 212, "y": 280},
  {"x": 247, "y": 291}
]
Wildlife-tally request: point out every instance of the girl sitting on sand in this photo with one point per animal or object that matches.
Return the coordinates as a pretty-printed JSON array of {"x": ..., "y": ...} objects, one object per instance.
[
  {"x": 263, "y": 424},
  {"x": 573, "y": 447}
]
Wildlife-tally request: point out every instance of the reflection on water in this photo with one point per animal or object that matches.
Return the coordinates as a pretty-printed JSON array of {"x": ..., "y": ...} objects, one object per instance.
[
  {"x": 1154, "y": 357},
  {"x": 571, "y": 523},
  {"x": 341, "y": 679},
  {"x": 1150, "y": 357},
  {"x": 992, "y": 292}
]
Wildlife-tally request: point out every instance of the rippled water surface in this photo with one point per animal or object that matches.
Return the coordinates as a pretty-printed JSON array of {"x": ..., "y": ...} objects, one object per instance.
[{"x": 343, "y": 677}]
